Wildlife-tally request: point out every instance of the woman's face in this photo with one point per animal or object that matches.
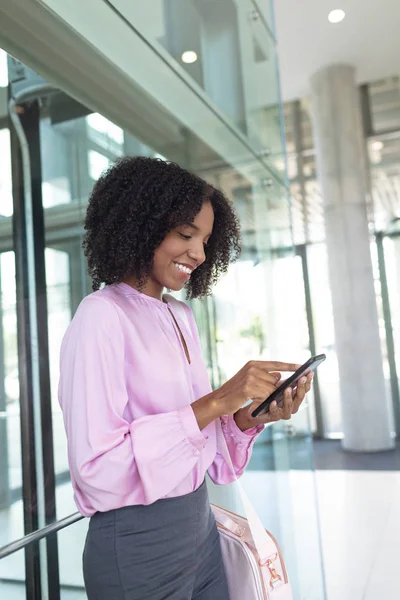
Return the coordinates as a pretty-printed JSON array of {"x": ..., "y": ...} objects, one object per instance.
[{"x": 180, "y": 253}]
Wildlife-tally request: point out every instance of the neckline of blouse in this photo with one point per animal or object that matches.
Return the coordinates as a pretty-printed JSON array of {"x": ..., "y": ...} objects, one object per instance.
[{"x": 128, "y": 290}]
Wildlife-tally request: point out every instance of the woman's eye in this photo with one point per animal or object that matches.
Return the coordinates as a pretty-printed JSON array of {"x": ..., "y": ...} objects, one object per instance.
[{"x": 185, "y": 237}]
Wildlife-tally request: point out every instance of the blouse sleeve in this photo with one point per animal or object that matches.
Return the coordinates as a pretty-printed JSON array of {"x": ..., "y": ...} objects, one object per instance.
[
  {"x": 240, "y": 443},
  {"x": 240, "y": 446},
  {"x": 115, "y": 462}
]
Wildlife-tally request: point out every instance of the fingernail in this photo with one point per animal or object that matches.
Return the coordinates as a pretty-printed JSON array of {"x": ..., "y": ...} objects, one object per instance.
[{"x": 303, "y": 380}]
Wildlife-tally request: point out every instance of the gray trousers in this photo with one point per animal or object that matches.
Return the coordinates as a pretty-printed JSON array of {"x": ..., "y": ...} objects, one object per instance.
[{"x": 168, "y": 550}]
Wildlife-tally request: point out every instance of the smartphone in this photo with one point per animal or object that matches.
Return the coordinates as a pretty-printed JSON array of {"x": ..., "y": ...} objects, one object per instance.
[{"x": 291, "y": 381}]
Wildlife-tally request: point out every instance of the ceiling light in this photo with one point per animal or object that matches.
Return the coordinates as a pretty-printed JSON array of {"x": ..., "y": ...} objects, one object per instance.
[
  {"x": 189, "y": 57},
  {"x": 377, "y": 145},
  {"x": 337, "y": 15}
]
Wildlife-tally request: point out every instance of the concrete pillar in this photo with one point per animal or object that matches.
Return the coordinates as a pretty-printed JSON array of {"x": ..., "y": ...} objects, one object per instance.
[{"x": 366, "y": 411}]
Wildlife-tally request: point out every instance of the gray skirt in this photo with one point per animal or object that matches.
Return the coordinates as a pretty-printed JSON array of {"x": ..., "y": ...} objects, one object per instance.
[{"x": 168, "y": 550}]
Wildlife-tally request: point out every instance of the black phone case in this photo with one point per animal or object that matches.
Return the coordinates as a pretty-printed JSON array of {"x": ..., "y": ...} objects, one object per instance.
[{"x": 278, "y": 393}]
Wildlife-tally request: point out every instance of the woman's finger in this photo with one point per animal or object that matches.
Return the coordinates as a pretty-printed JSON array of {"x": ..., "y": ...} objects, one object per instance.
[
  {"x": 274, "y": 411},
  {"x": 271, "y": 366},
  {"x": 261, "y": 389},
  {"x": 287, "y": 404},
  {"x": 265, "y": 375},
  {"x": 300, "y": 394},
  {"x": 276, "y": 374},
  {"x": 309, "y": 382}
]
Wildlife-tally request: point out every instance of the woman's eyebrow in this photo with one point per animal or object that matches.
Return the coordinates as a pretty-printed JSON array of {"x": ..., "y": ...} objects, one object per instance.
[{"x": 193, "y": 226}]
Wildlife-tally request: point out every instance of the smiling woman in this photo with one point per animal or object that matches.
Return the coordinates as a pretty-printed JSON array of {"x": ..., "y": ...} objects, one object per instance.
[
  {"x": 179, "y": 254},
  {"x": 164, "y": 215},
  {"x": 143, "y": 423}
]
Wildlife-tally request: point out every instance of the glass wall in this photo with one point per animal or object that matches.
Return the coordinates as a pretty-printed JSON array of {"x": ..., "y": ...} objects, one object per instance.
[
  {"x": 12, "y": 569},
  {"x": 258, "y": 308},
  {"x": 380, "y": 102}
]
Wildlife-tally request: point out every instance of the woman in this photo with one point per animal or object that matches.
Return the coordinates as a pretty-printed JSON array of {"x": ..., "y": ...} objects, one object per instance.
[{"x": 139, "y": 412}]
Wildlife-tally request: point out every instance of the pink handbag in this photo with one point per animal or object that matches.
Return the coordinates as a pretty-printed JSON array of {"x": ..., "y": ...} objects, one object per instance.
[{"x": 253, "y": 562}]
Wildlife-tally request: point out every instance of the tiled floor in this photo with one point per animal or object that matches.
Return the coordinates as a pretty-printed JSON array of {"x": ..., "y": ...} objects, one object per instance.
[{"x": 360, "y": 527}]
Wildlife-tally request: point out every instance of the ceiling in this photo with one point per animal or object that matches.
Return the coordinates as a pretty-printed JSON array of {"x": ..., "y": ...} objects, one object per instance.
[{"x": 368, "y": 38}]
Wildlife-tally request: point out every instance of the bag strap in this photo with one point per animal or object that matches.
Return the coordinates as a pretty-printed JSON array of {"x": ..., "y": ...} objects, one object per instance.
[{"x": 263, "y": 543}]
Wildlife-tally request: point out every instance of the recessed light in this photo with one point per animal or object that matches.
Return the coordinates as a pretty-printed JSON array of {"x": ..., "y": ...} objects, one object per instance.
[
  {"x": 337, "y": 15},
  {"x": 189, "y": 57}
]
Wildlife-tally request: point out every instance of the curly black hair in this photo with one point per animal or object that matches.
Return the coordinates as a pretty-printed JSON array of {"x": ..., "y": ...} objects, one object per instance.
[{"x": 133, "y": 206}]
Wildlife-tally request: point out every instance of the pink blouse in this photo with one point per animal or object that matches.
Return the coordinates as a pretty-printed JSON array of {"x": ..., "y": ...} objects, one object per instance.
[{"x": 126, "y": 389}]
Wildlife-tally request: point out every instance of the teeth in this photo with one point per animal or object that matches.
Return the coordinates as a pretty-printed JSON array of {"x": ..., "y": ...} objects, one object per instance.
[{"x": 183, "y": 269}]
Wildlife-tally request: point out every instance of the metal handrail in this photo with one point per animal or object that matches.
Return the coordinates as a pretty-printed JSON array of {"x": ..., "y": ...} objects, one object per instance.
[{"x": 35, "y": 536}]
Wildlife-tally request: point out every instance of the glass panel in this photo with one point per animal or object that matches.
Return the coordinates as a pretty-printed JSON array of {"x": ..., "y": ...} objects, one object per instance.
[
  {"x": 12, "y": 572},
  {"x": 265, "y": 10},
  {"x": 261, "y": 88},
  {"x": 63, "y": 295},
  {"x": 74, "y": 154},
  {"x": 59, "y": 317},
  {"x": 85, "y": 147},
  {"x": 12, "y": 569},
  {"x": 3, "y": 69},
  {"x": 202, "y": 39},
  {"x": 258, "y": 316},
  {"x": 392, "y": 264},
  {"x": 254, "y": 311},
  {"x": 226, "y": 49},
  {"x": 6, "y": 204},
  {"x": 390, "y": 259},
  {"x": 71, "y": 541},
  {"x": 384, "y": 97},
  {"x": 328, "y": 376},
  {"x": 12, "y": 576},
  {"x": 384, "y": 159}
]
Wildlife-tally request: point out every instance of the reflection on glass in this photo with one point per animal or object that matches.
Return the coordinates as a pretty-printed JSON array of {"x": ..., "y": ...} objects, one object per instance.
[
  {"x": 12, "y": 569},
  {"x": 98, "y": 123},
  {"x": 384, "y": 158},
  {"x": 71, "y": 541},
  {"x": 56, "y": 159},
  {"x": 328, "y": 376},
  {"x": 12, "y": 577},
  {"x": 59, "y": 317},
  {"x": 6, "y": 204},
  {"x": 3, "y": 69},
  {"x": 389, "y": 249},
  {"x": 226, "y": 51},
  {"x": 262, "y": 91},
  {"x": 392, "y": 265},
  {"x": 97, "y": 164},
  {"x": 384, "y": 97},
  {"x": 74, "y": 153}
]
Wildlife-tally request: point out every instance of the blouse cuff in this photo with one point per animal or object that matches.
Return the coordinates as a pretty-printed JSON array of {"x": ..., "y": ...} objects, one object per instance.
[
  {"x": 191, "y": 427},
  {"x": 229, "y": 423}
]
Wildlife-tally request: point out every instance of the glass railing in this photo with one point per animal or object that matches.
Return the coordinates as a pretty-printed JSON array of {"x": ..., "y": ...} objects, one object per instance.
[{"x": 226, "y": 52}]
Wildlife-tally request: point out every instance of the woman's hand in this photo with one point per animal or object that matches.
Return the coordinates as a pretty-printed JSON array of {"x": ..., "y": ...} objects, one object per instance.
[
  {"x": 257, "y": 379},
  {"x": 291, "y": 403}
]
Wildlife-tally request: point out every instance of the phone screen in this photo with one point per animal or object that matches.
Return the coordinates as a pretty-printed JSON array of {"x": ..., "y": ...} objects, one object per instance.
[{"x": 308, "y": 367}]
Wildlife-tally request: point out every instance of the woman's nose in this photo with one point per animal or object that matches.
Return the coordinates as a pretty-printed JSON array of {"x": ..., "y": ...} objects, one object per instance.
[{"x": 197, "y": 253}]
